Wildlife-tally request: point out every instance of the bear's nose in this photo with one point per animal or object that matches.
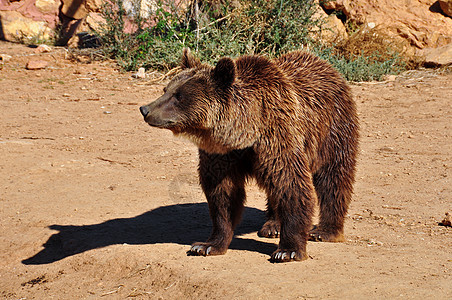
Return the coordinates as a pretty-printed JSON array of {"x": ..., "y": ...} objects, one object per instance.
[{"x": 144, "y": 110}]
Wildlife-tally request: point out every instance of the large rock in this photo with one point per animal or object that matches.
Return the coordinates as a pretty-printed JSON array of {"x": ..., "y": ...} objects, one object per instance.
[
  {"x": 36, "y": 10},
  {"x": 28, "y": 19},
  {"x": 333, "y": 30},
  {"x": 47, "y": 6},
  {"x": 441, "y": 56},
  {"x": 16, "y": 27},
  {"x": 415, "y": 21},
  {"x": 144, "y": 8},
  {"x": 79, "y": 9},
  {"x": 75, "y": 9}
]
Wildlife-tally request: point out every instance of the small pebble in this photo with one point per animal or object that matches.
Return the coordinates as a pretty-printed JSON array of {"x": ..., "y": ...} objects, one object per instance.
[
  {"x": 43, "y": 48},
  {"x": 447, "y": 221},
  {"x": 140, "y": 74}
]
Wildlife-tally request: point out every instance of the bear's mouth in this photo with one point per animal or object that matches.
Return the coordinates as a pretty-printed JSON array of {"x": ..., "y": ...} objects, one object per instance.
[{"x": 164, "y": 124}]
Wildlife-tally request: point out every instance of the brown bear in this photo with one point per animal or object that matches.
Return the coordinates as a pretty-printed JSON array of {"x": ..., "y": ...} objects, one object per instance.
[{"x": 289, "y": 122}]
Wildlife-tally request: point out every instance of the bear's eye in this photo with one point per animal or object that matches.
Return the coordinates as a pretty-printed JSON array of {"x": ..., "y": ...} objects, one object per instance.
[
  {"x": 178, "y": 96},
  {"x": 164, "y": 89}
]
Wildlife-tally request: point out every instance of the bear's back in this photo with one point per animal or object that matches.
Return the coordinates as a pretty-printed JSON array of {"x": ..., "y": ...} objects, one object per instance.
[
  {"x": 313, "y": 78},
  {"x": 257, "y": 70}
]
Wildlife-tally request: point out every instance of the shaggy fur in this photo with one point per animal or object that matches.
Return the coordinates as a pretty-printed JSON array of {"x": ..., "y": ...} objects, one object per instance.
[{"x": 290, "y": 123}]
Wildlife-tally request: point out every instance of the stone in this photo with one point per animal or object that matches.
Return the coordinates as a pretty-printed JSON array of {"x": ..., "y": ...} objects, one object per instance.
[
  {"x": 5, "y": 57},
  {"x": 413, "y": 21},
  {"x": 75, "y": 13},
  {"x": 75, "y": 9},
  {"x": 94, "y": 22},
  {"x": 446, "y": 7},
  {"x": 16, "y": 27},
  {"x": 447, "y": 221},
  {"x": 79, "y": 9},
  {"x": 332, "y": 29},
  {"x": 441, "y": 56},
  {"x": 35, "y": 64},
  {"x": 36, "y": 10},
  {"x": 43, "y": 48},
  {"x": 140, "y": 74},
  {"x": 93, "y": 5},
  {"x": 47, "y": 6},
  {"x": 348, "y": 7},
  {"x": 145, "y": 7}
]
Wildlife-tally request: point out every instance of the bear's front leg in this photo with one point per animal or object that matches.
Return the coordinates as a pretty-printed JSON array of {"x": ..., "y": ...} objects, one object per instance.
[
  {"x": 223, "y": 182},
  {"x": 220, "y": 238},
  {"x": 293, "y": 240},
  {"x": 222, "y": 232},
  {"x": 292, "y": 195}
]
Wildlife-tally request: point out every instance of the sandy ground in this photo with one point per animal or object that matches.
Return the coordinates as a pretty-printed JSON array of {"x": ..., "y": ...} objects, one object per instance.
[{"x": 96, "y": 204}]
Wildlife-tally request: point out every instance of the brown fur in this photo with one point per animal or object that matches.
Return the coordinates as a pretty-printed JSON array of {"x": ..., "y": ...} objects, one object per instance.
[{"x": 290, "y": 123}]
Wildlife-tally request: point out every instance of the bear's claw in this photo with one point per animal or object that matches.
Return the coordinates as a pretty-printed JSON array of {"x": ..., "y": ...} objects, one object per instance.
[
  {"x": 201, "y": 250},
  {"x": 286, "y": 256},
  {"x": 318, "y": 235},
  {"x": 315, "y": 237},
  {"x": 271, "y": 229},
  {"x": 204, "y": 249}
]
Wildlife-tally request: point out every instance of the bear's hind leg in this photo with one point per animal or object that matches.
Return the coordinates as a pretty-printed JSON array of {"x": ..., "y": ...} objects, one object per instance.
[
  {"x": 272, "y": 227},
  {"x": 334, "y": 190}
]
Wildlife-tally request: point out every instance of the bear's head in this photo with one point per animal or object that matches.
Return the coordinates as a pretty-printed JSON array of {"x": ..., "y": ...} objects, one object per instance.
[{"x": 195, "y": 100}]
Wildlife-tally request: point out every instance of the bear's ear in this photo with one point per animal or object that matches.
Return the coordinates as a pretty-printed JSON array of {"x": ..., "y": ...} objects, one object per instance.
[
  {"x": 224, "y": 72},
  {"x": 188, "y": 60}
]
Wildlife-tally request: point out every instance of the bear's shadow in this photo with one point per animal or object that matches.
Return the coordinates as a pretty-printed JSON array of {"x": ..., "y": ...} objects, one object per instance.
[{"x": 179, "y": 223}]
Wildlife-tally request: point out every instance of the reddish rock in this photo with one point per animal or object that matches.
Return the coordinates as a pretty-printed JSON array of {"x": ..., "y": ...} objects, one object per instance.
[{"x": 35, "y": 64}]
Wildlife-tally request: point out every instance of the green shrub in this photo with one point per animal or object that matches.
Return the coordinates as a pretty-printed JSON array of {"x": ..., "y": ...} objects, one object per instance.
[
  {"x": 269, "y": 27},
  {"x": 257, "y": 27},
  {"x": 361, "y": 67}
]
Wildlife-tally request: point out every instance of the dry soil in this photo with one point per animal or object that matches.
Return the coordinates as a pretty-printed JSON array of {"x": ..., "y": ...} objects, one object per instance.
[{"x": 95, "y": 204}]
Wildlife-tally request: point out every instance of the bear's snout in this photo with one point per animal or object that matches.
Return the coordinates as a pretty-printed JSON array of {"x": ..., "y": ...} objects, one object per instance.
[{"x": 144, "y": 110}]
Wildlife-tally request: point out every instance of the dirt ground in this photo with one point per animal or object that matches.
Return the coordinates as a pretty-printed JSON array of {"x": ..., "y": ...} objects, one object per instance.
[{"x": 94, "y": 203}]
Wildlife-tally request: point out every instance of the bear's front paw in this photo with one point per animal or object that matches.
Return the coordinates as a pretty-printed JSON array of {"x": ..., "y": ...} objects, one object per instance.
[
  {"x": 318, "y": 235},
  {"x": 282, "y": 255},
  {"x": 205, "y": 249},
  {"x": 270, "y": 229}
]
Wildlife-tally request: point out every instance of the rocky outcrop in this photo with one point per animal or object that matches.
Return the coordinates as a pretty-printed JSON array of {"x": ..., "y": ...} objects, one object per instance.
[
  {"x": 28, "y": 19},
  {"x": 417, "y": 21},
  {"x": 419, "y": 25},
  {"x": 31, "y": 20}
]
